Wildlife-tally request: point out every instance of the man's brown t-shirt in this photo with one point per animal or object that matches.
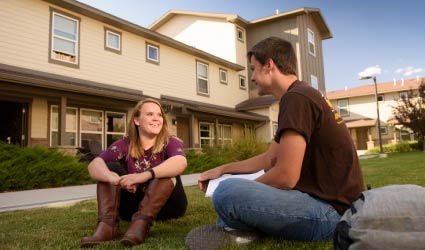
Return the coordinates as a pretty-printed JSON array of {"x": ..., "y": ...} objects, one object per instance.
[{"x": 330, "y": 169}]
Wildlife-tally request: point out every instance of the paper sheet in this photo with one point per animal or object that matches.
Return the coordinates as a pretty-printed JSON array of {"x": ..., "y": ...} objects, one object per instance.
[{"x": 212, "y": 185}]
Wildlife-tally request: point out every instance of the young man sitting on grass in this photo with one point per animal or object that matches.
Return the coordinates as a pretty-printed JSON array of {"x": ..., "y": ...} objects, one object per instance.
[{"x": 312, "y": 172}]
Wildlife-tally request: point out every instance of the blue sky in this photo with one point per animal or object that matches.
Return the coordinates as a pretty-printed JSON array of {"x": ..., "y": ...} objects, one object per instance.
[{"x": 384, "y": 38}]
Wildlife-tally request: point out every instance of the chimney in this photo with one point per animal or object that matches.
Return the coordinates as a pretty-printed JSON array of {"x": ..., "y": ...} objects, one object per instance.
[
  {"x": 346, "y": 88},
  {"x": 417, "y": 78},
  {"x": 402, "y": 81},
  {"x": 394, "y": 82},
  {"x": 277, "y": 11}
]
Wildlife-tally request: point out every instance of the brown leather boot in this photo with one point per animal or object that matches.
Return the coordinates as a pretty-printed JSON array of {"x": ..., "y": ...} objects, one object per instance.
[
  {"x": 108, "y": 199},
  {"x": 156, "y": 195}
]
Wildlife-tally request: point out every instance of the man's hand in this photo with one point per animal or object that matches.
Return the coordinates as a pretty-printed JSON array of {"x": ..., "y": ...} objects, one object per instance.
[{"x": 208, "y": 175}]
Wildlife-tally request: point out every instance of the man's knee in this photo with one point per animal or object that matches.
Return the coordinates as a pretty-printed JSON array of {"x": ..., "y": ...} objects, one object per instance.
[{"x": 228, "y": 190}]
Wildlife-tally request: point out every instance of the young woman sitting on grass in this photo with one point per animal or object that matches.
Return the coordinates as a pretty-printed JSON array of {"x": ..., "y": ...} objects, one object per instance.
[{"x": 138, "y": 178}]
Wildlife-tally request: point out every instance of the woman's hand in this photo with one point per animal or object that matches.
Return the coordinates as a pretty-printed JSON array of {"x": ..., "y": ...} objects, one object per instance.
[
  {"x": 114, "y": 179},
  {"x": 130, "y": 181}
]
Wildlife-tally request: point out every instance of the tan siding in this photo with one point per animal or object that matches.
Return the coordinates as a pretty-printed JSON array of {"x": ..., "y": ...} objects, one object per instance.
[
  {"x": 26, "y": 45},
  {"x": 27, "y": 21},
  {"x": 39, "y": 118},
  {"x": 191, "y": 30}
]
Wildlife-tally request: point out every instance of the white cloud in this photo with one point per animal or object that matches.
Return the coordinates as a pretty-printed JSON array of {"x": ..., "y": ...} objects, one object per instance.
[
  {"x": 370, "y": 71},
  {"x": 409, "y": 70},
  {"x": 399, "y": 71}
]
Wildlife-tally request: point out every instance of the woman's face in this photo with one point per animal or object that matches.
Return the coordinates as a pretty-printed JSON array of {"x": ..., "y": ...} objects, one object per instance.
[{"x": 150, "y": 119}]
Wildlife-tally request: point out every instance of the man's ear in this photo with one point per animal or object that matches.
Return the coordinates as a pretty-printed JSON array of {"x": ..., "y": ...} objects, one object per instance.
[{"x": 270, "y": 64}]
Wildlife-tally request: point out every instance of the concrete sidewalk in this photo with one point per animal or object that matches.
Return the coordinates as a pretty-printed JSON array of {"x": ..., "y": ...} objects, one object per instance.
[{"x": 49, "y": 197}]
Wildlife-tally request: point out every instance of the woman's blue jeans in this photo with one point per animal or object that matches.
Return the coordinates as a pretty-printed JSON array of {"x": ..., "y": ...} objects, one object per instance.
[{"x": 290, "y": 214}]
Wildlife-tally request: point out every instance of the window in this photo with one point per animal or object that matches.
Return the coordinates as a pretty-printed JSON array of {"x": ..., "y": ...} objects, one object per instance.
[
  {"x": 314, "y": 82},
  {"x": 275, "y": 126},
  {"x": 223, "y": 76},
  {"x": 115, "y": 127},
  {"x": 91, "y": 127},
  {"x": 202, "y": 78},
  {"x": 70, "y": 127},
  {"x": 206, "y": 134},
  {"x": 384, "y": 130},
  {"x": 404, "y": 95},
  {"x": 224, "y": 134},
  {"x": 240, "y": 34},
  {"x": 152, "y": 53},
  {"x": 113, "y": 41},
  {"x": 242, "y": 82},
  {"x": 343, "y": 107},
  {"x": 311, "y": 44},
  {"x": 64, "y": 37},
  {"x": 381, "y": 98}
]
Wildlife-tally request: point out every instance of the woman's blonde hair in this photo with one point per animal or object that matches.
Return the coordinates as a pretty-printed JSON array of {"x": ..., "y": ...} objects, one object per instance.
[{"x": 135, "y": 149}]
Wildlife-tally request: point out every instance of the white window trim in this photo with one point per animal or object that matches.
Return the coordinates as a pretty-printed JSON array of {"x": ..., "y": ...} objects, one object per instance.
[
  {"x": 114, "y": 133},
  {"x": 275, "y": 126},
  {"x": 240, "y": 31},
  {"x": 311, "y": 41},
  {"x": 384, "y": 129},
  {"x": 101, "y": 133},
  {"x": 67, "y": 129},
  {"x": 148, "y": 57},
  {"x": 107, "y": 40},
  {"x": 222, "y": 139},
  {"x": 314, "y": 80},
  {"x": 224, "y": 81},
  {"x": 125, "y": 127},
  {"x": 202, "y": 78},
  {"x": 54, "y": 13},
  {"x": 241, "y": 77},
  {"x": 346, "y": 108},
  {"x": 403, "y": 95},
  {"x": 211, "y": 131}
]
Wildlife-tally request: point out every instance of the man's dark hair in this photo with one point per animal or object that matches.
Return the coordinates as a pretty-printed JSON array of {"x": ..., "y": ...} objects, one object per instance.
[{"x": 280, "y": 51}]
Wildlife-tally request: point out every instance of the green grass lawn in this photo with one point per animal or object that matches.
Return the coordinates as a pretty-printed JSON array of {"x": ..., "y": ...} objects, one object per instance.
[{"x": 63, "y": 227}]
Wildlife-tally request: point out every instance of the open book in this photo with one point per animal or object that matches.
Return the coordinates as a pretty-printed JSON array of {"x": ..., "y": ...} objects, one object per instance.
[{"x": 212, "y": 184}]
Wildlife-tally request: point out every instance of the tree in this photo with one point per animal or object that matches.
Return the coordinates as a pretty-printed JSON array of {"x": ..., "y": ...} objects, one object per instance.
[{"x": 411, "y": 112}]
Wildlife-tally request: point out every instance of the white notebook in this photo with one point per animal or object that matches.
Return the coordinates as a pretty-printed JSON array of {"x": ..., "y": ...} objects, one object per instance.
[{"x": 212, "y": 185}]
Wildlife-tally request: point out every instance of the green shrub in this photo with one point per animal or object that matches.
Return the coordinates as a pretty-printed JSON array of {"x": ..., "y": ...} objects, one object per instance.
[
  {"x": 402, "y": 146},
  {"x": 38, "y": 167},
  {"x": 241, "y": 149}
]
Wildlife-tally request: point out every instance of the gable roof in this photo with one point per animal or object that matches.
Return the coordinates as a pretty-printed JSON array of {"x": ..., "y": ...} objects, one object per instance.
[
  {"x": 369, "y": 89},
  {"x": 122, "y": 24},
  {"x": 232, "y": 18},
  {"x": 315, "y": 13}
]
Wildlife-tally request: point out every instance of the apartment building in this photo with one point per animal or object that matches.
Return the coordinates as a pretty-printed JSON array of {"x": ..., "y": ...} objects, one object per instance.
[
  {"x": 358, "y": 108},
  {"x": 230, "y": 37},
  {"x": 70, "y": 74}
]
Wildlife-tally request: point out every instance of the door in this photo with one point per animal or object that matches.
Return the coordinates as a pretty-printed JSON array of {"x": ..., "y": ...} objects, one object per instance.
[
  {"x": 14, "y": 123},
  {"x": 361, "y": 138}
]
